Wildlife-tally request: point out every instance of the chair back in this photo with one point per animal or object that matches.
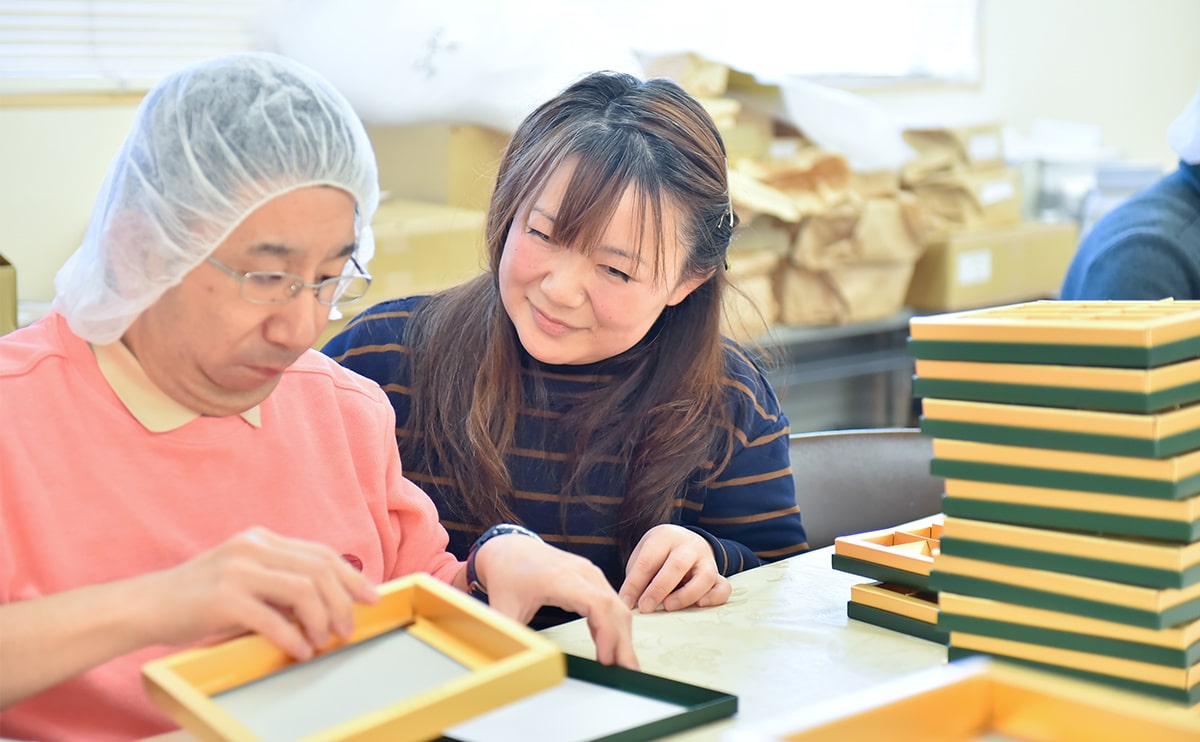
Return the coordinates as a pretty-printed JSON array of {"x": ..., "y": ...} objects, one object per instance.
[{"x": 851, "y": 481}]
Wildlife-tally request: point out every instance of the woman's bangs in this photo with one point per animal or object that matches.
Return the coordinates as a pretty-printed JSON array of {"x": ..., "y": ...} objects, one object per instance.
[{"x": 594, "y": 194}]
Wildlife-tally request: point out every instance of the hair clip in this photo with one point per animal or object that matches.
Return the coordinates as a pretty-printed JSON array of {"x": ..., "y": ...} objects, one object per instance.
[{"x": 727, "y": 215}]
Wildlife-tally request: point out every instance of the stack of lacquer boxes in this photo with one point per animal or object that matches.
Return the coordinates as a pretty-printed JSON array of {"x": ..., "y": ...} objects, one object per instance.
[
  {"x": 1069, "y": 437},
  {"x": 898, "y": 560}
]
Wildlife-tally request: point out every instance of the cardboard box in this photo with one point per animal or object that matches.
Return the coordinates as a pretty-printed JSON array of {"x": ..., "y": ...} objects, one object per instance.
[
  {"x": 453, "y": 164},
  {"x": 999, "y": 266},
  {"x": 424, "y": 247},
  {"x": 420, "y": 248},
  {"x": 8, "y": 296}
]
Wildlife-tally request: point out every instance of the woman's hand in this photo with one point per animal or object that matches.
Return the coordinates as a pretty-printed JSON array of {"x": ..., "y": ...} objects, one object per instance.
[
  {"x": 675, "y": 568},
  {"x": 522, "y": 574}
]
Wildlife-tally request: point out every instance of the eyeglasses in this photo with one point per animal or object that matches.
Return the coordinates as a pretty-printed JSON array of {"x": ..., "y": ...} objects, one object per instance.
[{"x": 277, "y": 287}]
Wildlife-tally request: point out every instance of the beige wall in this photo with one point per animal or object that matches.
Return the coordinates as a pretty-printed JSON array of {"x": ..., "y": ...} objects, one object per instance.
[
  {"x": 53, "y": 161},
  {"x": 1127, "y": 65}
]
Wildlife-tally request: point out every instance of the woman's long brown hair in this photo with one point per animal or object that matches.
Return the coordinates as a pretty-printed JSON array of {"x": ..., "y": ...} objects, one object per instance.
[{"x": 664, "y": 416}]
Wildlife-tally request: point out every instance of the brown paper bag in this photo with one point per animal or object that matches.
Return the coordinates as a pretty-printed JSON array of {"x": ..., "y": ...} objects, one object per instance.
[
  {"x": 855, "y": 292},
  {"x": 964, "y": 200},
  {"x": 696, "y": 74},
  {"x": 973, "y": 146},
  {"x": 878, "y": 230},
  {"x": 750, "y": 307}
]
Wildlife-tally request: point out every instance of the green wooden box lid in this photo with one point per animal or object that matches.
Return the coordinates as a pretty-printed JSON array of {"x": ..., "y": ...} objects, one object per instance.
[
  {"x": 1089, "y": 521},
  {"x": 896, "y": 622}
]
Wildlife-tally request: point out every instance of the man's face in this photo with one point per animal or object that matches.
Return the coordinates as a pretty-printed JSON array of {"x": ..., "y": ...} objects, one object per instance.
[{"x": 217, "y": 353}]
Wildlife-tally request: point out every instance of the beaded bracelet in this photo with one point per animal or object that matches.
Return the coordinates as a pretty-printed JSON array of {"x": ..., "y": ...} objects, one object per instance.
[{"x": 474, "y": 586}]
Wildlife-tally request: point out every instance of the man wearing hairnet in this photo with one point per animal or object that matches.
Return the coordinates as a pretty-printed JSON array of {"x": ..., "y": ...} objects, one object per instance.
[
  {"x": 176, "y": 464},
  {"x": 1148, "y": 246}
]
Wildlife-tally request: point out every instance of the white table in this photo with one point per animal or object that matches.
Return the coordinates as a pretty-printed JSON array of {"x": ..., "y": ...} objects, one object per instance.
[{"x": 782, "y": 641}]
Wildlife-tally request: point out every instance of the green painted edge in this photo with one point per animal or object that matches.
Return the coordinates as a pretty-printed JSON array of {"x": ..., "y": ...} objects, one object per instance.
[
  {"x": 1189, "y": 696},
  {"x": 880, "y": 572},
  {"x": 701, "y": 705},
  {"x": 1008, "y": 435},
  {"x": 1057, "y": 396},
  {"x": 1121, "y": 356},
  {"x": 978, "y": 587},
  {"x": 1053, "y": 561},
  {"x": 1181, "y": 532},
  {"x": 895, "y": 622},
  {"x": 1182, "y": 658},
  {"x": 1158, "y": 489}
]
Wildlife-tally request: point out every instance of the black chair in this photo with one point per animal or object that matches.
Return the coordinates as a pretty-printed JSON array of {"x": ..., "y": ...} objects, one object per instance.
[{"x": 851, "y": 481}]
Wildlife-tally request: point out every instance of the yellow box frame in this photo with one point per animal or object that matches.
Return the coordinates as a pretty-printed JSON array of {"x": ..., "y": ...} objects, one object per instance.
[
  {"x": 507, "y": 661},
  {"x": 910, "y": 547},
  {"x": 972, "y": 698}
]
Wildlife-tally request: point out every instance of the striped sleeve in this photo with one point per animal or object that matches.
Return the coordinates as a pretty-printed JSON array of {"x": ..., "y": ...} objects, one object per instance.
[
  {"x": 749, "y": 514},
  {"x": 372, "y": 344}
]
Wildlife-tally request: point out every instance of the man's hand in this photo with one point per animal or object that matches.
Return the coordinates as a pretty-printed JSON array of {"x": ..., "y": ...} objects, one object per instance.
[{"x": 297, "y": 594}]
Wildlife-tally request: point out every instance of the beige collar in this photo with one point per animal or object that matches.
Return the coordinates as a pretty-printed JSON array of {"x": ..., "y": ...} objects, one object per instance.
[{"x": 145, "y": 401}]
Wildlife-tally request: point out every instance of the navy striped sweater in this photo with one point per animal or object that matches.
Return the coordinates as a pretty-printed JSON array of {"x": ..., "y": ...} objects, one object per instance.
[{"x": 748, "y": 514}]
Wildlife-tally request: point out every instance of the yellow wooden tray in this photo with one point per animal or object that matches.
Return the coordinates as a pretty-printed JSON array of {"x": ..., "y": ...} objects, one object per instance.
[
  {"x": 1129, "y": 425},
  {"x": 1154, "y": 608},
  {"x": 482, "y": 660},
  {"x": 980, "y": 699},
  {"x": 1091, "y": 431},
  {"x": 1119, "y": 323},
  {"x": 910, "y": 548},
  {"x": 1082, "y": 378},
  {"x": 1176, "y": 645},
  {"x": 1171, "y": 520},
  {"x": 902, "y": 601},
  {"x": 1135, "y": 561},
  {"x": 1174, "y": 478},
  {"x": 1175, "y": 683}
]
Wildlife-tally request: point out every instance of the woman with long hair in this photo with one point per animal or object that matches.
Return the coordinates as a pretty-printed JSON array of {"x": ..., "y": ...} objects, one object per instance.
[{"x": 582, "y": 387}]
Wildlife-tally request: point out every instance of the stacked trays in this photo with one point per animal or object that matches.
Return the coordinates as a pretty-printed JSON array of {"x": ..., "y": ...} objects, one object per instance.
[
  {"x": 1069, "y": 437},
  {"x": 899, "y": 560}
]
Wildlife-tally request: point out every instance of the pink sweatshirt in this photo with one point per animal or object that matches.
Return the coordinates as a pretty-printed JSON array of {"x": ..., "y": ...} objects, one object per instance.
[{"x": 89, "y": 495}]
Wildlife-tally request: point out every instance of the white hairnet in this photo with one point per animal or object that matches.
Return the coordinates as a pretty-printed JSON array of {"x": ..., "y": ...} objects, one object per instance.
[
  {"x": 1184, "y": 134},
  {"x": 209, "y": 145}
]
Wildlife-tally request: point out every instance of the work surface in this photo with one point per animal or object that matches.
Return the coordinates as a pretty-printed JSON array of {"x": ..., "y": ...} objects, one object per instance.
[{"x": 781, "y": 642}]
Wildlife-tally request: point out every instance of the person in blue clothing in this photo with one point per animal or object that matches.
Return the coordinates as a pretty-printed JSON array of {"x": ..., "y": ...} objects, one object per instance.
[
  {"x": 1148, "y": 246},
  {"x": 581, "y": 386}
]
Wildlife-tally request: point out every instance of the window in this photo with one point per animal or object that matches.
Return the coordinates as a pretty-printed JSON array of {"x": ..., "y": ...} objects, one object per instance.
[
  {"x": 73, "y": 46},
  {"x": 76, "y": 46}
]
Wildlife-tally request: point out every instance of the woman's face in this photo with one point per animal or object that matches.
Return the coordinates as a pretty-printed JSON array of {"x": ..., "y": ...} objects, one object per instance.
[{"x": 575, "y": 308}]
